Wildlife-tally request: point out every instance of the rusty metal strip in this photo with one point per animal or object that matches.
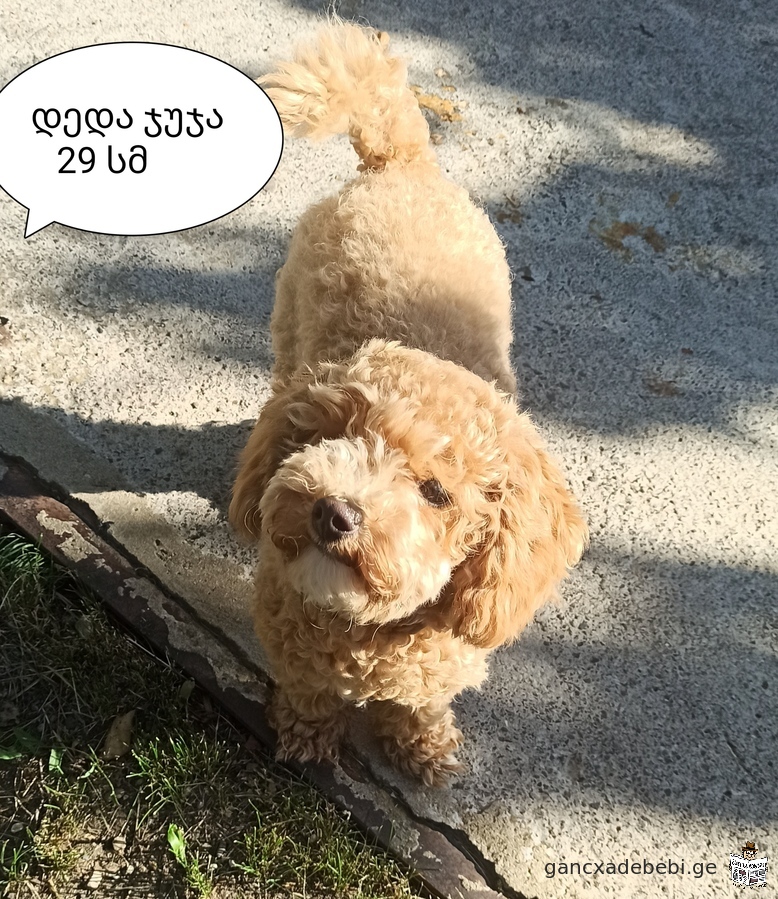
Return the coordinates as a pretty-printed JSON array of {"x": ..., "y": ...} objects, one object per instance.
[{"x": 27, "y": 506}]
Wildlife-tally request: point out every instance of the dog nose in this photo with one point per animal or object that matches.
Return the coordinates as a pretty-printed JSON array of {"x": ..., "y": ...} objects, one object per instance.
[{"x": 333, "y": 519}]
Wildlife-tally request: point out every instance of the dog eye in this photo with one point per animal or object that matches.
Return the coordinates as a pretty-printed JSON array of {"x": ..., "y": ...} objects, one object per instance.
[{"x": 434, "y": 493}]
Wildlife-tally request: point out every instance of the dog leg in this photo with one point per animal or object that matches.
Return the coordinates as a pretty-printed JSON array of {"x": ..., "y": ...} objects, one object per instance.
[
  {"x": 309, "y": 727},
  {"x": 420, "y": 741}
]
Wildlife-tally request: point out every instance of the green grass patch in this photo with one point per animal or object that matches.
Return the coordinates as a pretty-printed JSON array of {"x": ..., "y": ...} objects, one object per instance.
[{"x": 188, "y": 808}]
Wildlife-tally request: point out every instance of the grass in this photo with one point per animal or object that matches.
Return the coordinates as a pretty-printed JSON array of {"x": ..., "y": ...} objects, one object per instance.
[{"x": 186, "y": 806}]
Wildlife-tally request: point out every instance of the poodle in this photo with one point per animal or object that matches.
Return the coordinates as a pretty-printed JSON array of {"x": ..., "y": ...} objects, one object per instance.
[{"x": 408, "y": 516}]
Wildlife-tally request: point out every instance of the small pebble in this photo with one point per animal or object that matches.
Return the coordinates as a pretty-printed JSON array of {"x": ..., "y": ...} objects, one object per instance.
[{"x": 118, "y": 844}]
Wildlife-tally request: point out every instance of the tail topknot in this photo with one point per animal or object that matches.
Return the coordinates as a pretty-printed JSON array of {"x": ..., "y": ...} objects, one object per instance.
[{"x": 344, "y": 82}]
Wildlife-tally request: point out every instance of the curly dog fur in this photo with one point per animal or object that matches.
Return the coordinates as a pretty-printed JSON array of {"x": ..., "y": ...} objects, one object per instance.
[{"x": 409, "y": 518}]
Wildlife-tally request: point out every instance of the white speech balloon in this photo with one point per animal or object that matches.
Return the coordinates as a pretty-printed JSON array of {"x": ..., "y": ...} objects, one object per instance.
[{"x": 168, "y": 182}]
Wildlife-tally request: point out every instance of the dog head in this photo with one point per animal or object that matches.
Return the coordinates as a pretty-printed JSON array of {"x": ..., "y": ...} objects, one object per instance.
[{"x": 395, "y": 479}]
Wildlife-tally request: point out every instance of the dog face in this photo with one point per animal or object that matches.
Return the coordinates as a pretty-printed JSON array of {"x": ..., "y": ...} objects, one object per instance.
[{"x": 395, "y": 479}]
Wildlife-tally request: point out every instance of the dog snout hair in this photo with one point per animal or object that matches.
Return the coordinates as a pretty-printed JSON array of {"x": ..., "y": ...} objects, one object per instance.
[{"x": 333, "y": 519}]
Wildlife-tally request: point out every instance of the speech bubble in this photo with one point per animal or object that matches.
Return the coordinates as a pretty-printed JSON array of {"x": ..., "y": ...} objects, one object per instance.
[{"x": 135, "y": 138}]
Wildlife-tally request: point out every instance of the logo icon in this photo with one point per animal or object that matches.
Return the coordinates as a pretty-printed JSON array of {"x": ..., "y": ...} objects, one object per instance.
[{"x": 747, "y": 870}]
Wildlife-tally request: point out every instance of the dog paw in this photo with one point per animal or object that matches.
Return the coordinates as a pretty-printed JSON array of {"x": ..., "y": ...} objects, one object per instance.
[
  {"x": 298, "y": 744},
  {"x": 433, "y": 772},
  {"x": 428, "y": 757},
  {"x": 304, "y": 740}
]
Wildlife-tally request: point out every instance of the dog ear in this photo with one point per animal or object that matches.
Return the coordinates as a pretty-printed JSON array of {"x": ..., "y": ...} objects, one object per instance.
[
  {"x": 277, "y": 433},
  {"x": 534, "y": 532}
]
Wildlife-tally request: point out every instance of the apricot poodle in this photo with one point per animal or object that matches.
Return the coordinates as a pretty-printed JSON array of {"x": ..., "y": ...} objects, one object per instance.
[{"x": 409, "y": 518}]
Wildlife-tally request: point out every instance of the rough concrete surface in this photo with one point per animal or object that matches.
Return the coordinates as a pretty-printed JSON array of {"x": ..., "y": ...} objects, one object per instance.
[{"x": 627, "y": 154}]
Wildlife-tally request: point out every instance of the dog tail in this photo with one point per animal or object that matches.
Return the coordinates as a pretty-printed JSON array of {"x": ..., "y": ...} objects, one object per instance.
[{"x": 343, "y": 82}]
